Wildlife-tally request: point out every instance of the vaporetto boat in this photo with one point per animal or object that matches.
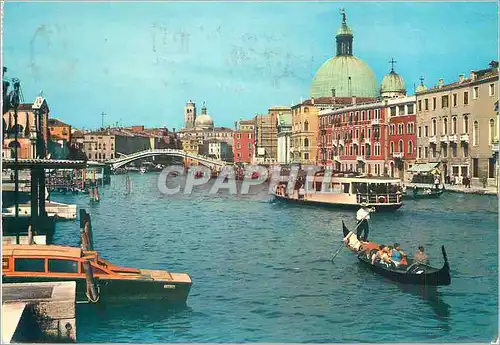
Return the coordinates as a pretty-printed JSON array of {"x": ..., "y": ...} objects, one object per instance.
[{"x": 344, "y": 190}]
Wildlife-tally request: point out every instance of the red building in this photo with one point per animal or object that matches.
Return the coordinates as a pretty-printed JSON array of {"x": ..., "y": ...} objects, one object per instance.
[
  {"x": 402, "y": 136},
  {"x": 353, "y": 138},
  {"x": 244, "y": 141}
]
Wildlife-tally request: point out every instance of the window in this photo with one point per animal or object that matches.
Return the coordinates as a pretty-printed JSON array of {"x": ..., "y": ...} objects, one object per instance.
[
  {"x": 5, "y": 263},
  {"x": 426, "y": 104},
  {"x": 238, "y": 136},
  {"x": 419, "y": 132},
  {"x": 363, "y": 115},
  {"x": 454, "y": 125},
  {"x": 306, "y": 110},
  {"x": 475, "y": 134},
  {"x": 249, "y": 135},
  {"x": 492, "y": 89},
  {"x": 434, "y": 152},
  {"x": 475, "y": 92},
  {"x": 466, "y": 124},
  {"x": 426, "y": 152},
  {"x": 306, "y": 142},
  {"x": 410, "y": 147},
  {"x": 466, "y": 97},
  {"x": 475, "y": 167},
  {"x": 249, "y": 145},
  {"x": 492, "y": 131},
  {"x": 444, "y": 150},
  {"x": 410, "y": 109},
  {"x": 445, "y": 126},
  {"x": 419, "y": 152},
  {"x": 434, "y": 103},
  {"x": 426, "y": 131},
  {"x": 238, "y": 146},
  {"x": 63, "y": 266},
  {"x": 419, "y": 105},
  {"x": 400, "y": 146},
  {"x": 401, "y": 110},
  {"x": 392, "y": 147},
  {"x": 306, "y": 155},
  {"x": 434, "y": 127},
  {"x": 306, "y": 126},
  {"x": 454, "y": 151},
  {"x": 444, "y": 101},
  {"x": 465, "y": 150},
  {"x": 29, "y": 265},
  {"x": 455, "y": 99},
  {"x": 393, "y": 111}
]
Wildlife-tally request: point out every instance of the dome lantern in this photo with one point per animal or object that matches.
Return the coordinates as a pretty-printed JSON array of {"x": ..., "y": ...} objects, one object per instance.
[{"x": 344, "y": 38}]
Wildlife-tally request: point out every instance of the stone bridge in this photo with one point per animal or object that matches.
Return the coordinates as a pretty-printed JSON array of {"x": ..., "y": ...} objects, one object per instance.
[{"x": 126, "y": 159}]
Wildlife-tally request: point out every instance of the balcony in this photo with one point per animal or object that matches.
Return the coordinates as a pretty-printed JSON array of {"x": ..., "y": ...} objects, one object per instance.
[
  {"x": 453, "y": 138},
  {"x": 341, "y": 142},
  {"x": 366, "y": 140},
  {"x": 444, "y": 139},
  {"x": 375, "y": 122},
  {"x": 398, "y": 154},
  {"x": 336, "y": 158},
  {"x": 464, "y": 137},
  {"x": 355, "y": 141},
  {"x": 334, "y": 143},
  {"x": 360, "y": 158},
  {"x": 432, "y": 140}
]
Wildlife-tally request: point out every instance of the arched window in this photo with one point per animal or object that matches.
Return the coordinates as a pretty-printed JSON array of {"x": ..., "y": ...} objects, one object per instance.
[
  {"x": 434, "y": 127},
  {"x": 306, "y": 142},
  {"x": 410, "y": 147},
  {"x": 400, "y": 146},
  {"x": 392, "y": 147},
  {"x": 306, "y": 126},
  {"x": 445, "y": 126},
  {"x": 475, "y": 134},
  {"x": 466, "y": 124},
  {"x": 492, "y": 131},
  {"x": 454, "y": 125},
  {"x": 306, "y": 110}
]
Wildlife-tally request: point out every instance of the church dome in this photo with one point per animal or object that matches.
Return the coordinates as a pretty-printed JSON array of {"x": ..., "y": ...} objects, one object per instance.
[
  {"x": 344, "y": 75},
  {"x": 393, "y": 82},
  {"x": 204, "y": 121},
  {"x": 421, "y": 87}
]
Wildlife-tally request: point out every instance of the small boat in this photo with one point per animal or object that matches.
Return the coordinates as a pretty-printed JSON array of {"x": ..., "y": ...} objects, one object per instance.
[
  {"x": 142, "y": 170},
  {"x": 255, "y": 175},
  {"x": 427, "y": 193},
  {"x": 198, "y": 174},
  {"x": 414, "y": 273},
  {"x": 48, "y": 263},
  {"x": 344, "y": 190}
]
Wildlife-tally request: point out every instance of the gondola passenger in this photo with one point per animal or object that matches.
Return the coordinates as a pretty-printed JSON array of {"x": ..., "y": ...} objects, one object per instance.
[
  {"x": 421, "y": 256},
  {"x": 397, "y": 254}
]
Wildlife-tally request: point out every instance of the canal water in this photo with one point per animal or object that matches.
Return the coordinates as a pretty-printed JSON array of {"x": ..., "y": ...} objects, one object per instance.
[{"x": 262, "y": 272}]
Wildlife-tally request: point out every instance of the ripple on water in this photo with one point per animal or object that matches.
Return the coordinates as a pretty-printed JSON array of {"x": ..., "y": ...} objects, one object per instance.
[{"x": 262, "y": 270}]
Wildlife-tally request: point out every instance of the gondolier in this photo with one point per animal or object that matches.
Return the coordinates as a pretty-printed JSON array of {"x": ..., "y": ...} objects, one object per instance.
[{"x": 362, "y": 217}]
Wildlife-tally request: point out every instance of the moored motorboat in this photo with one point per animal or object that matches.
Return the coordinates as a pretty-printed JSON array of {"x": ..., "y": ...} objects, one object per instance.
[
  {"x": 46, "y": 263},
  {"x": 427, "y": 193},
  {"x": 414, "y": 273}
]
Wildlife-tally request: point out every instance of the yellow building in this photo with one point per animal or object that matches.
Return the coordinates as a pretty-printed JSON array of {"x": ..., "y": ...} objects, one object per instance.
[{"x": 304, "y": 132}]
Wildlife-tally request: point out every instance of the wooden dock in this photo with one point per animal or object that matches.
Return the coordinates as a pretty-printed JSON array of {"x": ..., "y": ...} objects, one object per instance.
[{"x": 39, "y": 312}]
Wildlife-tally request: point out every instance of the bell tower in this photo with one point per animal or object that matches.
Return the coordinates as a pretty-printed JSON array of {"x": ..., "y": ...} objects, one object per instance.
[{"x": 189, "y": 114}]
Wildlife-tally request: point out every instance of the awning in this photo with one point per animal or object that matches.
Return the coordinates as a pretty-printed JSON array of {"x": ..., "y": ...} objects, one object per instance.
[{"x": 423, "y": 167}]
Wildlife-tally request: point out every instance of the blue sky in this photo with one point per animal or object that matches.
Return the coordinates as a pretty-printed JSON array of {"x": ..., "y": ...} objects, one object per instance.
[{"x": 141, "y": 62}]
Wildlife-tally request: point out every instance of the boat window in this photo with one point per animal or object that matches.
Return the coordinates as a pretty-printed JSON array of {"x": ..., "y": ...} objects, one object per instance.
[
  {"x": 29, "y": 265},
  {"x": 63, "y": 266},
  {"x": 5, "y": 263},
  {"x": 346, "y": 187}
]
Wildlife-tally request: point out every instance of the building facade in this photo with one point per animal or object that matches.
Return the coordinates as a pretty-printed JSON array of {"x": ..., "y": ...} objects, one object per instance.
[
  {"x": 457, "y": 125},
  {"x": 266, "y": 135},
  {"x": 284, "y": 134},
  {"x": 355, "y": 137},
  {"x": 244, "y": 141},
  {"x": 402, "y": 136},
  {"x": 59, "y": 130}
]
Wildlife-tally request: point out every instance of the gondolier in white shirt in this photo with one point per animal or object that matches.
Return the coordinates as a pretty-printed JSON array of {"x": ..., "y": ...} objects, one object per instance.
[{"x": 362, "y": 216}]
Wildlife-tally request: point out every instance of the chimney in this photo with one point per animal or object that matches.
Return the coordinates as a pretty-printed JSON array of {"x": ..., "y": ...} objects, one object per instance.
[
  {"x": 312, "y": 100},
  {"x": 461, "y": 78},
  {"x": 473, "y": 75},
  {"x": 235, "y": 125},
  {"x": 353, "y": 99},
  {"x": 441, "y": 82}
]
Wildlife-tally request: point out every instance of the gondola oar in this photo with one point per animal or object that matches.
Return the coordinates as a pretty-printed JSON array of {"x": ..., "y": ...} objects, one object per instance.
[{"x": 338, "y": 250}]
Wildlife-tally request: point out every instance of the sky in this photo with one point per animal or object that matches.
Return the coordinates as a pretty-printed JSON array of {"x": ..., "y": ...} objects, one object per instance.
[{"x": 139, "y": 63}]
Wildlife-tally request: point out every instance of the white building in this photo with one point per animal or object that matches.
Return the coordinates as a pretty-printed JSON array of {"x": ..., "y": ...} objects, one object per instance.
[
  {"x": 219, "y": 149},
  {"x": 284, "y": 127}
]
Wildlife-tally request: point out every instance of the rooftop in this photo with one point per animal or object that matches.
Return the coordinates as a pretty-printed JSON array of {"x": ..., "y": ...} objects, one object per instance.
[
  {"x": 40, "y": 250},
  {"x": 57, "y": 123}
]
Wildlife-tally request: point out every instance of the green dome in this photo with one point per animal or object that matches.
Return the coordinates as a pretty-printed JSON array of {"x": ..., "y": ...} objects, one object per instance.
[
  {"x": 335, "y": 73},
  {"x": 392, "y": 82},
  {"x": 344, "y": 30}
]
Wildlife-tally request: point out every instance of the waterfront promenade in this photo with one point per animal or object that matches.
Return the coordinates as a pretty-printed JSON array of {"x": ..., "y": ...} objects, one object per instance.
[{"x": 490, "y": 190}]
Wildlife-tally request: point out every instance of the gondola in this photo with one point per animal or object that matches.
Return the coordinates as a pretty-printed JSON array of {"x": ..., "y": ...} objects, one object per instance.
[
  {"x": 414, "y": 273},
  {"x": 433, "y": 194}
]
